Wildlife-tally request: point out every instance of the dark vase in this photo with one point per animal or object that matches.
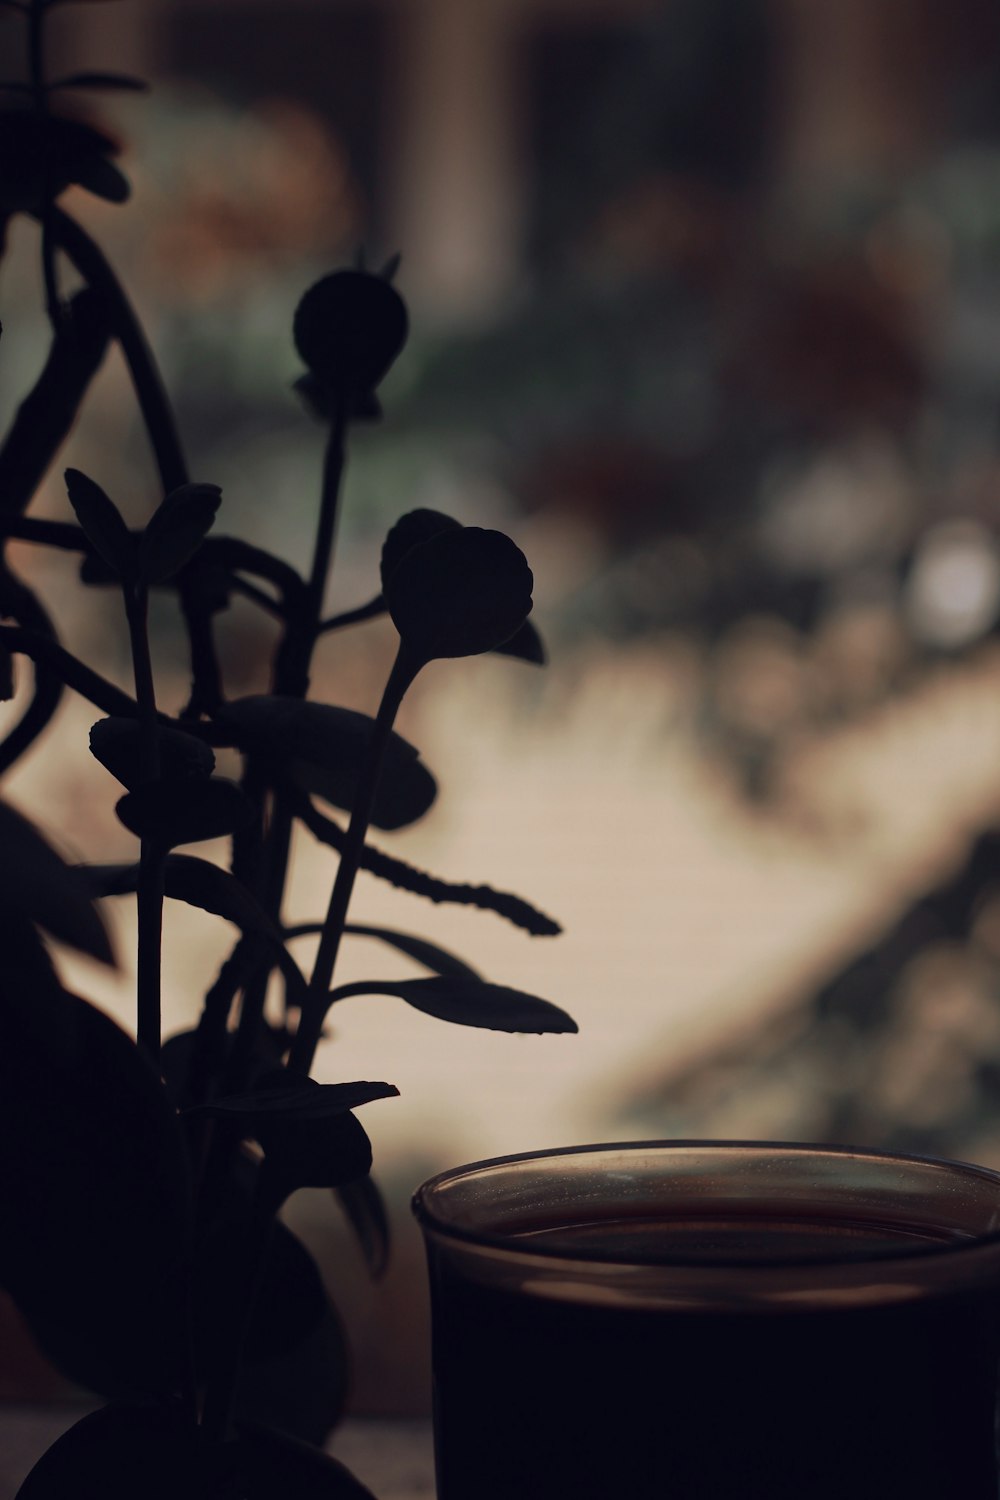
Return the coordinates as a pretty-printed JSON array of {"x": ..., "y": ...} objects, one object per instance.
[{"x": 705, "y": 1321}]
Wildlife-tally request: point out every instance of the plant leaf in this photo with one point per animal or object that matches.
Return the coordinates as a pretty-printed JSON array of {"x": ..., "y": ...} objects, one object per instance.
[
  {"x": 37, "y": 883},
  {"x": 468, "y": 1003},
  {"x": 365, "y": 1209},
  {"x": 322, "y": 748},
  {"x": 302, "y": 1390},
  {"x": 408, "y": 878},
  {"x": 300, "y": 1099},
  {"x": 460, "y": 593},
  {"x": 94, "y": 1180},
  {"x": 306, "y": 1130},
  {"x": 294, "y": 1373},
  {"x": 121, "y": 1452},
  {"x": 117, "y": 743},
  {"x": 433, "y": 957},
  {"x": 101, "y": 177},
  {"x": 292, "y": 1299},
  {"x": 526, "y": 644},
  {"x": 102, "y": 524},
  {"x": 272, "y": 1463},
  {"x": 176, "y": 812},
  {"x": 176, "y": 530},
  {"x": 209, "y": 887}
]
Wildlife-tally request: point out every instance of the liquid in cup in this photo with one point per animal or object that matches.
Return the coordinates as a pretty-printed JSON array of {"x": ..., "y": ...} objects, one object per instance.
[{"x": 699, "y": 1321}]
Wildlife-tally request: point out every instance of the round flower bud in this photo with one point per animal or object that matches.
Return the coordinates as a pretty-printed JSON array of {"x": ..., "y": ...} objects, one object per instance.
[{"x": 348, "y": 329}]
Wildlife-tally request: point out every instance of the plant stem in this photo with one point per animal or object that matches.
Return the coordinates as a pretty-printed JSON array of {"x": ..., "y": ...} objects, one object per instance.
[
  {"x": 149, "y": 904},
  {"x": 152, "y": 859},
  {"x": 291, "y": 678},
  {"x": 294, "y": 658},
  {"x": 40, "y": 104},
  {"x": 154, "y": 405},
  {"x": 47, "y": 652},
  {"x": 223, "y": 1390},
  {"x": 136, "y": 606},
  {"x": 314, "y": 1010}
]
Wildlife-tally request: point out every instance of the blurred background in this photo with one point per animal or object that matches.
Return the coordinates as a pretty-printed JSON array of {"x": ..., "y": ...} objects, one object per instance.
[{"x": 706, "y": 313}]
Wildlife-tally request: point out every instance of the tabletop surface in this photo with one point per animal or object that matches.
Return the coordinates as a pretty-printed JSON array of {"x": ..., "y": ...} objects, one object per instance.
[{"x": 393, "y": 1458}]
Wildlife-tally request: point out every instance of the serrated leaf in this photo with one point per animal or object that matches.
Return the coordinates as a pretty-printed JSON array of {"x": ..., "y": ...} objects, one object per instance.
[
  {"x": 115, "y": 81},
  {"x": 176, "y": 530},
  {"x": 468, "y": 1003},
  {"x": 37, "y": 883},
  {"x": 175, "y": 812},
  {"x": 102, "y": 523},
  {"x": 408, "y": 878},
  {"x": 365, "y": 1210},
  {"x": 322, "y": 748},
  {"x": 460, "y": 593},
  {"x": 117, "y": 743},
  {"x": 94, "y": 1180}
]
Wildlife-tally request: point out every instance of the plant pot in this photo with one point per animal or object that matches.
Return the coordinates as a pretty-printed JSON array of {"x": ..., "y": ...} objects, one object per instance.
[{"x": 707, "y": 1320}]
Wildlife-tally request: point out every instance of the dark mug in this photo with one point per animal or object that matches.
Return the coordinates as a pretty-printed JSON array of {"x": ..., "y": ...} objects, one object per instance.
[{"x": 714, "y": 1321}]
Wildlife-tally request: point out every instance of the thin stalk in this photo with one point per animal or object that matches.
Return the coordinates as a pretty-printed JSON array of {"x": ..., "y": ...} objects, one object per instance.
[
  {"x": 369, "y": 611},
  {"x": 316, "y": 1004},
  {"x": 157, "y": 413},
  {"x": 40, "y": 103},
  {"x": 223, "y": 1390},
  {"x": 152, "y": 859},
  {"x": 136, "y": 606},
  {"x": 294, "y": 658},
  {"x": 333, "y": 470},
  {"x": 149, "y": 903},
  {"x": 47, "y": 652},
  {"x": 291, "y": 678}
]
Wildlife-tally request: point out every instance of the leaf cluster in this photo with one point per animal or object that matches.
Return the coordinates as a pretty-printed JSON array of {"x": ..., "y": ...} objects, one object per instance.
[{"x": 142, "y": 1179}]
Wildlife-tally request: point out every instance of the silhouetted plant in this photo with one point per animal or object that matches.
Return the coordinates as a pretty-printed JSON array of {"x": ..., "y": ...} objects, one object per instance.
[{"x": 140, "y": 1235}]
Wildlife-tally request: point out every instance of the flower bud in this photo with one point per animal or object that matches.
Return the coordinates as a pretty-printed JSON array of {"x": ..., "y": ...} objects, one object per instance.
[{"x": 348, "y": 329}]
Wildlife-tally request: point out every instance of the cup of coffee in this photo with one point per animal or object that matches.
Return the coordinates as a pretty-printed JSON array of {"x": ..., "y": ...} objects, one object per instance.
[{"x": 714, "y": 1321}]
